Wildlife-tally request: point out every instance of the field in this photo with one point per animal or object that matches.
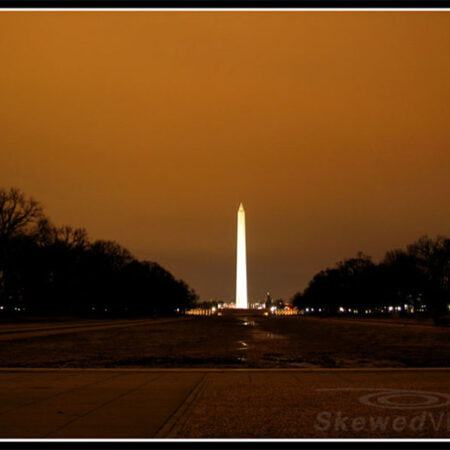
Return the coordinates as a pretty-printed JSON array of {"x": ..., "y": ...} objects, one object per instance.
[{"x": 238, "y": 339}]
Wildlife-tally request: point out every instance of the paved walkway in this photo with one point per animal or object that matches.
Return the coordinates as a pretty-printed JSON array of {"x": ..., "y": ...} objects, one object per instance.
[{"x": 145, "y": 403}]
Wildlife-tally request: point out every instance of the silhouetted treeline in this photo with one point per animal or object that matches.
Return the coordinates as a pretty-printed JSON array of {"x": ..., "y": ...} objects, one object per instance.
[
  {"x": 46, "y": 269},
  {"x": 405, "y": 281}
]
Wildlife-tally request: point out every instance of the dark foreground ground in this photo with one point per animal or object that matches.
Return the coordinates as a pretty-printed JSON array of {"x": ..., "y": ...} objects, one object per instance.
[
  {"x": 227, "y": 403},
  {"x": 236, "y": 339},
  {"x": 241, "y": 375}
]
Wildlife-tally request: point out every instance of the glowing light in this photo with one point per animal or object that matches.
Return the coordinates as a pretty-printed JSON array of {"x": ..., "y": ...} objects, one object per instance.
[
  {"x": 199, "y": 312},
  {"x": 241, "y": 262},
  {"x": 283, "y": 312}
]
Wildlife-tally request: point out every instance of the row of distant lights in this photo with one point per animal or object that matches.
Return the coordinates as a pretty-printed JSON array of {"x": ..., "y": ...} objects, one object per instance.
[
  {"x": 283, "y": 311},
  {"x": 94, "y": 309},
  {"x": 202, "y": 311},
  {"x": 15, "y": 309},
  {"x": 407, "y": 308}
]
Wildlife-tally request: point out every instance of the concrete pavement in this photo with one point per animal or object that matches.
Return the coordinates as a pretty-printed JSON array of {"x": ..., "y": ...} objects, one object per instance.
[{"x": 224, "y": 403}]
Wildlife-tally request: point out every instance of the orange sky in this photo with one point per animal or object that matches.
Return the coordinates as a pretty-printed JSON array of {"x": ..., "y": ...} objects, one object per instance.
[{"x": 149, "y": 128}]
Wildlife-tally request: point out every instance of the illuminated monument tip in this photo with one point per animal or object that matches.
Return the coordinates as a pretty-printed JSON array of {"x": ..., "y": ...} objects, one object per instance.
[{"x": 241, "y": 262}]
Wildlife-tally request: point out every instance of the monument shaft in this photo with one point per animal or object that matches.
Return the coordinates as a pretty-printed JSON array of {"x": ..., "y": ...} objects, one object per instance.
[{"x": 241, "y": 261}]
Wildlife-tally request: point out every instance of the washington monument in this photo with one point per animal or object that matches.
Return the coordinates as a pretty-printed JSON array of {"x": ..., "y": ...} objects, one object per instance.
[{"x": 241, "y": 262}]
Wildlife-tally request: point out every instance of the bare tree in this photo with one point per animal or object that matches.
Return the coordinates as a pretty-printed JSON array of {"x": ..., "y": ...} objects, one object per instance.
[
  {"x": 45, "y": 233},
  {"x": 17, "y": 212},
  {"x": 72, "y": 237},
  {"x": 433, "y": 257},
  {"x": 117, "y": 255}
]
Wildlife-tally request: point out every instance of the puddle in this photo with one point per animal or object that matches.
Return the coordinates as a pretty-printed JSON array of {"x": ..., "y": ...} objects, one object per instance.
[
  {"x": 243, "y": 345},
  {"x": 246, "y": 322},
  {"x": 261, "y": 335}
]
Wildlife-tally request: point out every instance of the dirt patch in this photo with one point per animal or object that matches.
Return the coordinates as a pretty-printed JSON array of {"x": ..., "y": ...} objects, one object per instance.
[
  {"x": 234, "y": 340},
  {"x": 178, "y": 362}
]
